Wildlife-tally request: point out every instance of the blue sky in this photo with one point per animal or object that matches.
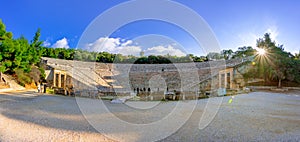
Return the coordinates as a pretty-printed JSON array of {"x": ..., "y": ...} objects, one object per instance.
[{"x": 234, "y": 22}]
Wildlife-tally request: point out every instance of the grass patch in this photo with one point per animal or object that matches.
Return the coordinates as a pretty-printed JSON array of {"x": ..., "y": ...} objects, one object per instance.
[{"x": 49, "y": 91}]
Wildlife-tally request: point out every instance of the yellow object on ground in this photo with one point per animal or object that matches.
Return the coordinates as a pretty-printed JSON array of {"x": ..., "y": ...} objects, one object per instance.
[{"x": 230, "y": 101}]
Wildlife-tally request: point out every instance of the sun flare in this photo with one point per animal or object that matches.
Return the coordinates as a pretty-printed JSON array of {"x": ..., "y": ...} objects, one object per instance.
[{"x": 261, "y": 51}]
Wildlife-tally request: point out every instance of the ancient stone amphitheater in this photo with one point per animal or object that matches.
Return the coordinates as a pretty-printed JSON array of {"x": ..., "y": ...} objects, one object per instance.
[{"x": 141, "y": 78}]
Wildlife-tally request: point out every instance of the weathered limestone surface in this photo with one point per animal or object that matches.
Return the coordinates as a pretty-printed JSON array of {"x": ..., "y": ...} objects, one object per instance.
[{"x": 128, "y": 77}]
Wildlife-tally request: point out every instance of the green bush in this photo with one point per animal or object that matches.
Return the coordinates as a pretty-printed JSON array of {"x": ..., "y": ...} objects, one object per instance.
[{"x": 49, "y": 91}]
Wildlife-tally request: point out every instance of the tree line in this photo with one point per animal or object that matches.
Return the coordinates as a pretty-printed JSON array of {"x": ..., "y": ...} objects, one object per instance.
[{"x": 105, "y": 57}]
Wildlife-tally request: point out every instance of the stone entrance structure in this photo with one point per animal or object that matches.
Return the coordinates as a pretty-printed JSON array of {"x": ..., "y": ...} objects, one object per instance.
[
  {"x": 226, "y": 78},
  {"x": 59, "y": 79}
]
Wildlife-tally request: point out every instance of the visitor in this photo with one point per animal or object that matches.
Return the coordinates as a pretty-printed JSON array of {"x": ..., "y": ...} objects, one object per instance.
[
  {"x": 45, "y": 88},
  {"x": 39, "y": 87}
]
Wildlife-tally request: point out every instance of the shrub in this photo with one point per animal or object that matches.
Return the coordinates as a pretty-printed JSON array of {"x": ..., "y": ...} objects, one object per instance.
[
  {"x": 22, "y": 77},
  {"x": 49, "y": 91},
  {"x": 35, "y": 74}
]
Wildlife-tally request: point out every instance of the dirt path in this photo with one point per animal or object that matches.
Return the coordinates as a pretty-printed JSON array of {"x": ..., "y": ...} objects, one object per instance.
[
  {"x": 25, "y": 116},
  {"x": 258, "y": 116},
  {"x": 17, "y": 130}
]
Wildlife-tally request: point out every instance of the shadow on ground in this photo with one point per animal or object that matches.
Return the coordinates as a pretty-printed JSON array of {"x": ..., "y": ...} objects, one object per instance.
[{"x": 54, "y": 111}]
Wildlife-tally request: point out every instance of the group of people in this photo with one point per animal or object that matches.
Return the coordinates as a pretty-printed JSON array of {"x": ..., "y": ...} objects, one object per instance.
[{"x": 41, "y": 88}]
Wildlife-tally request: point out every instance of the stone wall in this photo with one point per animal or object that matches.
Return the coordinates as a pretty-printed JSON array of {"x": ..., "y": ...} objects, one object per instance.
[{"x": 129, "y": 77}]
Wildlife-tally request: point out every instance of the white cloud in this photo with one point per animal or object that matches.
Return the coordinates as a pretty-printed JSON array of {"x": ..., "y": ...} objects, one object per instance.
[
  {"x": 162, "y": 50},
  {"x": 114, "y": 45},
  {"x": 128, "y": 42},
  {"x": 128, "y": 47},
  {"x": 62, "y": 43},
  {"x": 46, "y": 43}
]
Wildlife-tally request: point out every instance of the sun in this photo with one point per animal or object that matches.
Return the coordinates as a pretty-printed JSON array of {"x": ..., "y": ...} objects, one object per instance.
[{"x": 261, "y": 51}]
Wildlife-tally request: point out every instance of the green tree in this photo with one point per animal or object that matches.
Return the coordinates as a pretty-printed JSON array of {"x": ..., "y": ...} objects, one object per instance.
[
  {"x": 276, "y": 64},
  {"x": 142, "y": 60},
  {"x": 18, "y": 56},
  {"x": 227, "y": 54},
  {"x": 119, "y": 58},
  {"x": 245, "y": 51},
  {"x": 5, "y": 41},
  {"x": 214, "y": 56},
  {"x": 152, "y": 59},
  {"x": 3, "y": 32},
  {"x": 36, "y": 46},
  {"x": 7, "y": 51},
  {"x": 105, "y": 57}
]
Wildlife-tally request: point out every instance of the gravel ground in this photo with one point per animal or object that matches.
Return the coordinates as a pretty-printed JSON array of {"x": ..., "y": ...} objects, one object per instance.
[{"x": 258, "y": 116}]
